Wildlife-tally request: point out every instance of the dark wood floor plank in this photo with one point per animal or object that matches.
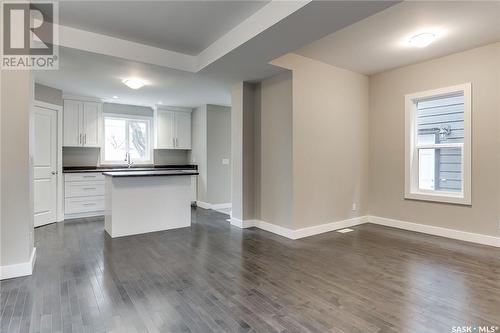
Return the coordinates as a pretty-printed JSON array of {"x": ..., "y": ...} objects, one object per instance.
[{"x": 216, "y": 278}]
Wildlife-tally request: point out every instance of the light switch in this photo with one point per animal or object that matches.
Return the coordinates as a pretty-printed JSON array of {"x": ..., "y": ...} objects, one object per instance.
[{"x": 225, "y": 161}]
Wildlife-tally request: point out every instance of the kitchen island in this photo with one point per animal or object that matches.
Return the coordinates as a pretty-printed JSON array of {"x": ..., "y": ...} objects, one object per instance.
[{"x": 137, "y": 202}]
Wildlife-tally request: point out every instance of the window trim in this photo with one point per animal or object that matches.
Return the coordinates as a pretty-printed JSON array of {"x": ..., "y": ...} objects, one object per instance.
[
  {"x": 412, "y": 190},
  {"x": 121, "y": 116}
]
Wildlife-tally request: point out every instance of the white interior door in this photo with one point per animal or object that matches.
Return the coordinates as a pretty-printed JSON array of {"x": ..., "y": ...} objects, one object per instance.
[{"x": 45, "y": 166}]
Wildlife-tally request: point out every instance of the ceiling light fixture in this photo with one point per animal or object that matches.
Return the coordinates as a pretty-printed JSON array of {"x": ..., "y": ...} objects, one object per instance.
[
  {"x": 133, "y": 83},
  {"x": 422, "y": 40},
  {"x": 160, "y": 102},
  {"x": 115, "y": 97}
]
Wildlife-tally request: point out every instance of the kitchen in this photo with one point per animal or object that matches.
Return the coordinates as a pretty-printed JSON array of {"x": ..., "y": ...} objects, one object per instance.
[{"x": 127, "y": 159}]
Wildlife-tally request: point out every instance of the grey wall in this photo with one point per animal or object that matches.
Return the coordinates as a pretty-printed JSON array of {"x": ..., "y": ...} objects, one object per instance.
[
  {"x": 218, "y": 148},
  {"x": 48, "y": 94},
  {"x": 16, "y": 225}
]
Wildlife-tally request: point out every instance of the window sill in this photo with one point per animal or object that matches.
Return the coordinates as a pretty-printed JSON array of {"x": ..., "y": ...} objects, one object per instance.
[{"x": 452, "y": 198}]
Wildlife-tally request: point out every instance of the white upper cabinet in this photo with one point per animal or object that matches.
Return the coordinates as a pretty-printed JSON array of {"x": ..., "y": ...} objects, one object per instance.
[
  {"x": 172, "y": 128},
  {"x": 81, "y": 121},
  {"x": 165, "y": 137},
  {"x": 91, "y": 121},
  {"x": 183, "y": 130},
  {"x": 72, "y": 124}
]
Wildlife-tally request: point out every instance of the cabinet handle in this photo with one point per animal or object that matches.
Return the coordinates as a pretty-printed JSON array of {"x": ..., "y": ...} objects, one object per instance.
[
  {"x": 85, "y": 138},
  {"x": 89, "y": 176},
  {"x": 80, "y": 139},
  {"x": 173, "y": 142},
  {"x": 89, "y": 204},
  {"x": 89, "y": 188}
]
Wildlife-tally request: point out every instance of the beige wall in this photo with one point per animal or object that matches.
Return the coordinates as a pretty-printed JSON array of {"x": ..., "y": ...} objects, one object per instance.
[
  {"x": 481, "y": 67},
  {"x": 273, "y": 151},
  {"x": 218, "y": 148},
  {"x": 330, "y": 141},
  {"x": 198, "y": 153},
  {"x": 243, "y": 105},
  {"x": 16, "y": 224}
]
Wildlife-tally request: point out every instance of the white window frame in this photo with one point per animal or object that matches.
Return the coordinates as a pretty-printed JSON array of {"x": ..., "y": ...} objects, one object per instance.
[
  {"x": 149, "y": 121},
  {"x": 412, "y": 190}
]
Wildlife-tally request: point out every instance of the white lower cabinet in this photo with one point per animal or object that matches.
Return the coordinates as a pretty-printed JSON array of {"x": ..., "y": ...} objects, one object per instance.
[{"x": 83, "y": 195}]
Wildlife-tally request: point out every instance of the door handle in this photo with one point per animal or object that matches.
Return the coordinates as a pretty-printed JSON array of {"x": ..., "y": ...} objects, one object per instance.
[{"x": 54, "y": 172}]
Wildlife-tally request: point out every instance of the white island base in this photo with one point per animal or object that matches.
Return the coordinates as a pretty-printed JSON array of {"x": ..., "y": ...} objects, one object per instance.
[{"x": 136, "y": 205}]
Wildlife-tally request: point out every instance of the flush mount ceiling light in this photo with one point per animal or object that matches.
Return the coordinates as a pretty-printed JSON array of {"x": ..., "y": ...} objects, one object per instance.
[
  {"x": 133, "y": 83},
  {"x": 115, "y": 97},
  {"x": 422, "y": 39}
]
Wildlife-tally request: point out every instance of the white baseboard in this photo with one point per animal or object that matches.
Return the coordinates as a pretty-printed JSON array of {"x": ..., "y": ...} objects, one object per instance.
[
  {"x": 437, "y": 231},
  {"x": 206, "y": 205},
  {"x": 222, "y": 205},
  {"x": 17, "y": 270},
  {"x": 327, "y": 227},
  {"x": 297, "y": 233},
  {"x": 242, "y": 224},
  {"x": 275, "y": 229},
  {"x": 322, "y": 228},
  {"x": 82, "y": 215}
]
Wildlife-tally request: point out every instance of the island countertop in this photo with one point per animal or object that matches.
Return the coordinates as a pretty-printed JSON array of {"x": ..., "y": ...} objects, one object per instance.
[
  {"x": 151, "y": 173},
  {"x": 85, "y": 169}
]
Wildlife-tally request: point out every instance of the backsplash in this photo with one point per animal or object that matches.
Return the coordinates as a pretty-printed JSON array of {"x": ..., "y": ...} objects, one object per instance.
[
  {"x": 79, "y": 156},
  {"x": 168, "y": 156}
]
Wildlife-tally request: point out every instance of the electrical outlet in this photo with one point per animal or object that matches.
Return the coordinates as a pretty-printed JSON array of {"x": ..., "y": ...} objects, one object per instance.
[{"x": 354, "y": 207}]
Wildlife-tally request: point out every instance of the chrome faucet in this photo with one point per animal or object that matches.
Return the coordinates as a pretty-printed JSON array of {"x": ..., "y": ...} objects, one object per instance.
[{"x": 127, "y": 159}]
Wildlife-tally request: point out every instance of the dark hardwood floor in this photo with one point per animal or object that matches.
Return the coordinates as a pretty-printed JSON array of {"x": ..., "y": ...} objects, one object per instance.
[{"x": 214, "y": 277}]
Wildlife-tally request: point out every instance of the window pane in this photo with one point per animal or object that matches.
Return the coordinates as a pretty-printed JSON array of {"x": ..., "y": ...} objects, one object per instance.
[
  {"x": 138, "y": 140},
  {"x": 441, "y": 120},
  {"x": 115, "y": 139},
  {"x": 440, "y": 169}
]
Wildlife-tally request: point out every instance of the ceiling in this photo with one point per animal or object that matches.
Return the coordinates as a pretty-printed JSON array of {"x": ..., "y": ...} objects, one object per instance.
[
  {"x": 181, "y": 26},
  {"x": 95, "y": 75},
  {"x": 379, "y": 42},
  {"x": 241, "y": 55}
]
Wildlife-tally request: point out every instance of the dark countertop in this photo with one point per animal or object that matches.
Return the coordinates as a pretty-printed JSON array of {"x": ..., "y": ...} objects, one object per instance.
[
  {"x": 82, "y": 169},
  {"x": 150, "y": 173}
]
